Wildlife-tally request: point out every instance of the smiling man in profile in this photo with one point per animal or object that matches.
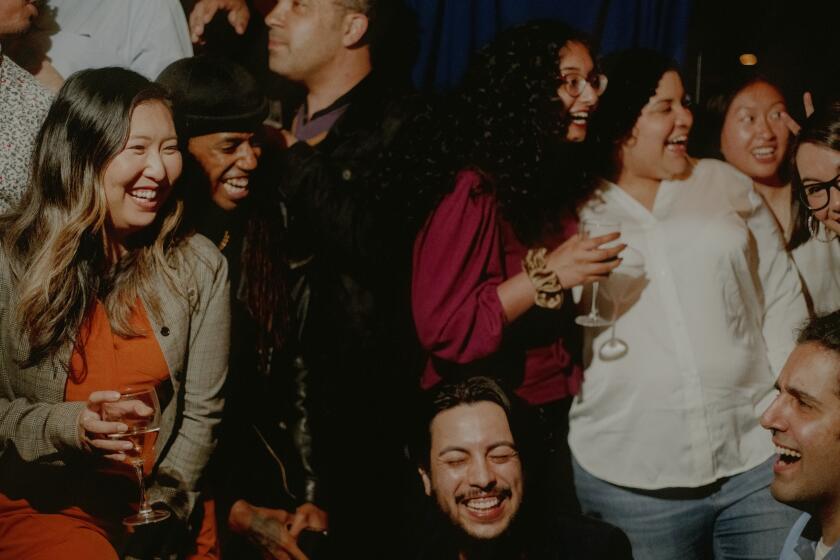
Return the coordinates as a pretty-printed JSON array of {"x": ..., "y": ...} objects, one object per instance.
[
  {"x": 805, "y": 422},
  {"x": 472, "y": 453}
]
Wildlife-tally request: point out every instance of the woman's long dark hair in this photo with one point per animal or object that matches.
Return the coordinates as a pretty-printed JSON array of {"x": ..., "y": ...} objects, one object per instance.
[
  {"x": 265, "y": 260},
  {"x": 705, "y": 137},
  {"x": 56, "y": 239},
  {"x": 506, "y": 123},
  {"x": 634, "y": 75}
]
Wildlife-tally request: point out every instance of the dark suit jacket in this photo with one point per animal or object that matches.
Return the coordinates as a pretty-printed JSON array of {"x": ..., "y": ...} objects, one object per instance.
[{"x": 568, "y": 537}]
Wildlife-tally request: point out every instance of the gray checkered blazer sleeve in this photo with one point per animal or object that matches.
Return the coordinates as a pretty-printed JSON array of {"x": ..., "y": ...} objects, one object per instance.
[
  {"x": 33, "y": 417},
  {"x": 196, "y": 348},
  {"x": 193, "y": 331}
]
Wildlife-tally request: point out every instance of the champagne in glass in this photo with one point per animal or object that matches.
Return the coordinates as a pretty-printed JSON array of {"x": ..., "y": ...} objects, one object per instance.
[
  {"x": 626, "y": 282},
  {"x": 595, "y": 228},
  {"x": 139, "y": 410}
]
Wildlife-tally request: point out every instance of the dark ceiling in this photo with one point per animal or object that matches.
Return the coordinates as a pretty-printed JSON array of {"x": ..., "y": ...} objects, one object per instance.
[{"x": 796, "y": 41}]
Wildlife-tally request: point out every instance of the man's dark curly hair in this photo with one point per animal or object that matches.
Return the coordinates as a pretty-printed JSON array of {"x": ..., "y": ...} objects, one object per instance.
[
  {"x": 825, "y": 331},
  {"x": 506, "y": 123}
]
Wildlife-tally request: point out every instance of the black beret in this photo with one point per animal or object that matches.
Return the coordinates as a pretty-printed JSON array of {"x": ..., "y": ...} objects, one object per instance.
[{"x": 213, "y": 94}]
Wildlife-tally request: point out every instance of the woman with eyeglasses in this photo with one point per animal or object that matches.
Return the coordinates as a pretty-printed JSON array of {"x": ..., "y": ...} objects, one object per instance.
[
  {"x": 666, "y": 437},
  {"x": 745, "y": 125},
  {"x": 816, "y": 184},
  {"x": 492, "y": 261}
]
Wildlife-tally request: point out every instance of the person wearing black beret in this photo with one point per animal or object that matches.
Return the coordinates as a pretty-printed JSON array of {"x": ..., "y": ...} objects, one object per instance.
[{"x": 266, "y": 457}]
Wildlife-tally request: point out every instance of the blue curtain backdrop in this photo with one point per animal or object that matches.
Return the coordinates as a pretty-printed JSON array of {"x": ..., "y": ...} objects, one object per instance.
[{"x": 452, "y": 29}]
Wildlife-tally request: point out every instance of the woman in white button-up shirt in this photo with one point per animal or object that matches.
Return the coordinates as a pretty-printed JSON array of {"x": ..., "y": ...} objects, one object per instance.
[
  {"x": 666, "y": 438},
  {"x": 746, "y": 128}
]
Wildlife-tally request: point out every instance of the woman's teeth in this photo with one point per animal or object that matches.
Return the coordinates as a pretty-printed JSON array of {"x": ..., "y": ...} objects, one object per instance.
[
  {"x": 764, "y": 153},
  {"x": 144, "y": 194},
  {"x": 579, "y": 117}
]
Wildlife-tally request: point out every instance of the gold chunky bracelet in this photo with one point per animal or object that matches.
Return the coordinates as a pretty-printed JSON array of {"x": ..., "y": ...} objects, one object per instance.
[{"x": 546, "y": 282}]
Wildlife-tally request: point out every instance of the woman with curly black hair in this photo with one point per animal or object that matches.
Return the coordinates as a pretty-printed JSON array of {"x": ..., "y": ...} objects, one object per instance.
[{"x": 493, "y": 259}]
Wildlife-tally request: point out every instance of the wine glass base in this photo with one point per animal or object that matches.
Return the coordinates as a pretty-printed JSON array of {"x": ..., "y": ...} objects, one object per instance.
[
  {"x": 592, "y": 321},
  {"x": 153, "y": 516},
  {"x": 612, "y": 349}
]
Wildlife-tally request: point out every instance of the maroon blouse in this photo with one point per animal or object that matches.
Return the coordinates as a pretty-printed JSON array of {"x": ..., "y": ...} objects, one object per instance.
[{"x": 462, "y": 254}]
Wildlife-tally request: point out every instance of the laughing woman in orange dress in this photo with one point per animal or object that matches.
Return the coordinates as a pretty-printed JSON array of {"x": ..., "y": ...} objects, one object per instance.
[{"x": 101, "y": 289}]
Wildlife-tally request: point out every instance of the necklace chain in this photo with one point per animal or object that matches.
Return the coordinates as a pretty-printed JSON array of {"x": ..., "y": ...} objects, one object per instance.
[{"x": 224, "y": 242}]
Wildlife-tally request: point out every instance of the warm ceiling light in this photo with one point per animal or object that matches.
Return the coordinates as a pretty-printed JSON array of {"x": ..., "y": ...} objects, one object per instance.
[{"x": 748, "y": 59}]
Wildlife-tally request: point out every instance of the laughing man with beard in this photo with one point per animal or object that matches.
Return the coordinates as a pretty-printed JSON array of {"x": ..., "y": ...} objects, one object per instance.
[
  {"x": 805, "y": 422},
  {"x": 472, "y": 457}
]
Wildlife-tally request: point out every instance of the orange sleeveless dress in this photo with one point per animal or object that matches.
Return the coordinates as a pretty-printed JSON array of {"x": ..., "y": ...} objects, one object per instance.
[{"x": 71, "y": 532}]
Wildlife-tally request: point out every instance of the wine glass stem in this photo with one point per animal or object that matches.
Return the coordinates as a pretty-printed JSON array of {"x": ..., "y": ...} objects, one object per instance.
[
  {"x": 594, "y": 311},
  {"x": 145, "y": 507},
  {"x": 612, "y": 336}
]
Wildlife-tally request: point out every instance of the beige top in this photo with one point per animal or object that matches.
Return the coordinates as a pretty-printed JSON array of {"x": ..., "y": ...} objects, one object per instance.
[{"x": 819, "y": 268}]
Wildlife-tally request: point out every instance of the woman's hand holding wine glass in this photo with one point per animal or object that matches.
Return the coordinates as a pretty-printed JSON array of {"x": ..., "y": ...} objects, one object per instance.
[
  {"x": 600, "y": 232},
  {"x": 97, "y": 433},
  {"x": 121, "y": 425},
  {"x": 624, "y": 286},
  {"x": 580, "y": 260}
]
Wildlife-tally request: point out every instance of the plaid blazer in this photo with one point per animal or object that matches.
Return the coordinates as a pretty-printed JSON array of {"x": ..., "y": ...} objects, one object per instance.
[{"x": 193, "y": 332}]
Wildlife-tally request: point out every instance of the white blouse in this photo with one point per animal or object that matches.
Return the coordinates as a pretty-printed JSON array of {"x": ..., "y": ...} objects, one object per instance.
[
  {"x": 708, "y": 328},
  {"x": 819, "y": 269}
]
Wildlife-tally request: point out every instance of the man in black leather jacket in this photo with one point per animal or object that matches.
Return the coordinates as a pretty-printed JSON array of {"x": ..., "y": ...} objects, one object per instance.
[
  {"x": 351, "y": 259},
  {"x": 349, "y": 253},
  {"x": 266, "y": 454}
]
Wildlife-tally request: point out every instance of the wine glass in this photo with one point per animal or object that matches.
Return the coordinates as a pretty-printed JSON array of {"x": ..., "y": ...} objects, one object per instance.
[
  {"x": 625, "y": 283},
  {"x": 595, "y": 228},
  {"x": 139, "y": 409}
]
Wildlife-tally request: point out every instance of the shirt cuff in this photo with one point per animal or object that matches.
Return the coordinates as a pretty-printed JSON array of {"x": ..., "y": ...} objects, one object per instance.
[{"x": 63, "y": 425}]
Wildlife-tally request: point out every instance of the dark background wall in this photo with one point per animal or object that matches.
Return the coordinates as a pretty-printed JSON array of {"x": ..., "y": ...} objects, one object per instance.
[{"x": 797, "y": 41}]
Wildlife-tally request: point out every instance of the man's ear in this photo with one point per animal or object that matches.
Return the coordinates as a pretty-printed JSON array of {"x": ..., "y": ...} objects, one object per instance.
[
  {"x": 427, "y": 482},
  {"x": 355, "y": 27}
]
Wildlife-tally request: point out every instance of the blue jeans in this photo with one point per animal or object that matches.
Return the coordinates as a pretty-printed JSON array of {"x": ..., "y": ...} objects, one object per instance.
[{"x": 734, "y": 518}]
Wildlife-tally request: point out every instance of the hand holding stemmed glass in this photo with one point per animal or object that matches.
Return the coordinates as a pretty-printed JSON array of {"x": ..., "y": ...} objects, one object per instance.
[
  {"x": 581, "y": 260},
  {"x": 135, "y": 413},
  {"x": 593, "y": 229},
  {"x": 625, "y": 283}
]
